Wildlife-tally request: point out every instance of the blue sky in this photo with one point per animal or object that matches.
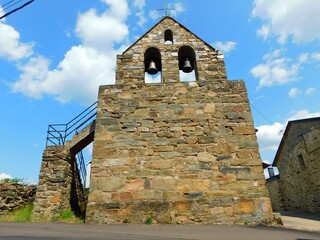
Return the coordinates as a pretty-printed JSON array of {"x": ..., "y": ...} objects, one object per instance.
[{"x": 55, "y": 54}]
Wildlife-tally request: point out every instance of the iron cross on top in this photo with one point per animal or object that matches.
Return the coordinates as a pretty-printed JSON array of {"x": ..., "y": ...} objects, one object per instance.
[{"x": 166, "y": 9}]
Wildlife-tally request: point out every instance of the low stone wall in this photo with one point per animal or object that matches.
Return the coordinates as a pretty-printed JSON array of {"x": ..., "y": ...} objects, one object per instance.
[
  {"x": 15, "y": 195},
  {"x": 274, "y": 193}
]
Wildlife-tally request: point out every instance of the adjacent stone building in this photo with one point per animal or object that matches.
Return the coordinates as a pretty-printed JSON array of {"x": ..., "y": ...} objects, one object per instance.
[
  {"x": 297, "y": 187},
  {"x": 175, "y": 151}
]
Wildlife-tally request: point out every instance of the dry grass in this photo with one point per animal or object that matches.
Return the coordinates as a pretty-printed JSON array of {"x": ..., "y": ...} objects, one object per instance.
[{"x": 22, "y": 214}]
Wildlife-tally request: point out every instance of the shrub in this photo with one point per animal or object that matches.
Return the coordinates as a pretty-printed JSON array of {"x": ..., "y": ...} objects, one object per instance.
[{"x": 13, "y": 180}]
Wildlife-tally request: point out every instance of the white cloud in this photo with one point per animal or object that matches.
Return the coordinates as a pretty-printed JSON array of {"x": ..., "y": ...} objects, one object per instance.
[
  {"x": 100, "y": 31},
  {"x": 173, "y": 10},
  {"x": 310, "y": 91},
  {"x": 315, "y": 56},
  {"x": 269, "y": 136},
  {"x": 293, "y": 92},
  {"x": 276, "y": 70},
  {"x": 84, "y": 67},
  {"x": 302, "y": 114},
  {"x": 303, "y": 57},
  {"x": 140, "y": 4},
  {"x": 177, "y": 9},
  {"x": 155, "y": 14},
  {"x": 288, "y": 18},
  {"x": 80, "y": 73},
  {"x": 32, "y": 79},
  {"x": 225, "y": 47},
  {"x": 118, "y": 9},
  {"x": 4, "y": 176},
  {"x": 10, "y": 45},
  {"x": 77, "y": 76},
  {"x": 264, "y": 31}
]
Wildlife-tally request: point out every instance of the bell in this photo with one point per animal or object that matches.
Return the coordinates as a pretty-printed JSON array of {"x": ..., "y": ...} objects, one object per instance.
[
  {"x": 187, "y": 68},
  {"x": 152, "y": 68}
]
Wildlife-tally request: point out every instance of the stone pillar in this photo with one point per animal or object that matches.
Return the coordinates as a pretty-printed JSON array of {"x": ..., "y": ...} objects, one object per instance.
[{"x": 58, "y": 186}]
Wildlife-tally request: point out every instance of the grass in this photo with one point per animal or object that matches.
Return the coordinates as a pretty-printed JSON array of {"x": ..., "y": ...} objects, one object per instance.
[
  {"x": 22, "y": 214},
  {"x": 148, "y": 221},
  {"x": 66, "y": 216}
]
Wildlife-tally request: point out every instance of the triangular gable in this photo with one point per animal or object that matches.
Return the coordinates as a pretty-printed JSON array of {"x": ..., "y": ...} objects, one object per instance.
[
  {"x": 167, "y": 17},
  {"x": 286, "y": 136}
]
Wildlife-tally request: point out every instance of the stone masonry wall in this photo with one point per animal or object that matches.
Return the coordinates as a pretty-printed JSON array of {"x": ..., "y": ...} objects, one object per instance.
[
  {"x": 176, "y": 152},
  {"x": 15, "y": 195},
  {"x": 130, "y": 65},
  {"x": 59, "y": 187},
  {"x": 299, "y": 184},
  {"x": 274, "y": 193}
]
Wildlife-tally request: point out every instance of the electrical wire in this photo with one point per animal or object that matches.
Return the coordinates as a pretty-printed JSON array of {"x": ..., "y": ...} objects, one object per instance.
[
  {"x": 11, "y": 5},
  {"x": 7, "y": 3},
  {"x": 261, "y": 113},
  {"x": 16, "y": 9}
]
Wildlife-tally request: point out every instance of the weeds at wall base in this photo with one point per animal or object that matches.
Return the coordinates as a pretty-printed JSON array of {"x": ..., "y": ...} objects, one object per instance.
[{"x": 22, "y": 214}]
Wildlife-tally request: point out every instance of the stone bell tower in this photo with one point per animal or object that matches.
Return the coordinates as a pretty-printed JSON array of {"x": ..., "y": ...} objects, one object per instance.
[{"x": 171, "y": 150}]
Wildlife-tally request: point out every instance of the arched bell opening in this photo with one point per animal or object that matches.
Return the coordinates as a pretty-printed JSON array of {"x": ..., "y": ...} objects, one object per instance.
[
  {"x": 152, "y": 66},
  {"x": 187, "y": 64},
  {"x": 168, "y": 37}
]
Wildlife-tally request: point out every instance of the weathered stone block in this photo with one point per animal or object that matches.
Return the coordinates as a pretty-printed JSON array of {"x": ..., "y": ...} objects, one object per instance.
[
  {"x": 207, "y": 139},
  {"x": 246, "y": 206},
  {"x": 234, "y": 169},
  {"x": 108, "y": 184},
  {"x": 163, "y": 183}
]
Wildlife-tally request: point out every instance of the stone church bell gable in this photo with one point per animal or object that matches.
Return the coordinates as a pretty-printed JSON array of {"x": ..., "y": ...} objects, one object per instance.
[
  {"x": 170, "y": 49},
  {"x": 174, "y": 138}
]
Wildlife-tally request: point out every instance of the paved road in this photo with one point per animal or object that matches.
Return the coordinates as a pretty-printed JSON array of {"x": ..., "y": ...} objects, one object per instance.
[
  {"x": 301, "y": 220},
  {"x": 36, "y": 231}
]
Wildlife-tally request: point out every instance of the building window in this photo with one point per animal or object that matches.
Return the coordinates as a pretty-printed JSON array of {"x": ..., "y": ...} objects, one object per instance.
[
  {"x": 168, "y": 37},
  {"x": 187, "y": 64},
  {"x": 271, "y": 172},
  {"x": 152, "y": 66},
  {"x": 302, "y": 163}
]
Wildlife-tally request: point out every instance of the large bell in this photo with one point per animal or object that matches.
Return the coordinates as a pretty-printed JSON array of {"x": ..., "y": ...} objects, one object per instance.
[
  {"x": 187, "y": 68},
  {"x": 152, "y": 68}
]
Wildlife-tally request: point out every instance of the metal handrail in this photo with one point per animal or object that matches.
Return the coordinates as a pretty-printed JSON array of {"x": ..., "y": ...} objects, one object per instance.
[
  {"x": 57, "y": 134},
  {"x": 82, "y": 168}
]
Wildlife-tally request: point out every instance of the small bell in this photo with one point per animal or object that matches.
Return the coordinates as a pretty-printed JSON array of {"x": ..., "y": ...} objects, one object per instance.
[
  {"x": 187, "y": 68},
  {"x": 152, "y": 68}
]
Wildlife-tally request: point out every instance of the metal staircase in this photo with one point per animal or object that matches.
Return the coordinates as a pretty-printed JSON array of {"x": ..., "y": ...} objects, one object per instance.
[
  {"x": 73, "y": 134},
  {"x": 58, "y": 134}
]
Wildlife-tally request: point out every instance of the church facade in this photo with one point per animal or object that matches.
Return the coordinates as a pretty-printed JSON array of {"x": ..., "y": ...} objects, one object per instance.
[{"x": 174, "y": 139}]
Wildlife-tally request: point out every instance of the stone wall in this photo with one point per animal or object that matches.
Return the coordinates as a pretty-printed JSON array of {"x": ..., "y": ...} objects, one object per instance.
[
  {"x": 299, "y": 184},
  {"x": 274, "y": 193},
  {"x": 15, "y": 195},
  {"x": 59, "y": 186},
  {"x": 176, "y": 152}
]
